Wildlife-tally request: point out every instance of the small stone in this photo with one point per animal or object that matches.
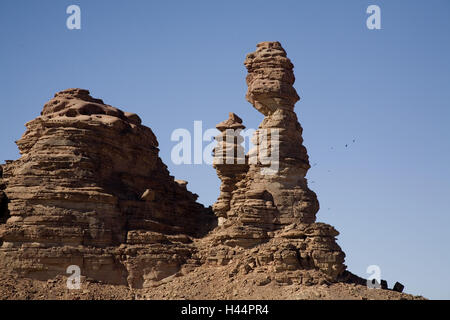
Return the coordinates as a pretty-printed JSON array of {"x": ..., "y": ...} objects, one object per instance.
[
  {"x": 264, "y": 281},
  {"x": 398, "y": 287}
]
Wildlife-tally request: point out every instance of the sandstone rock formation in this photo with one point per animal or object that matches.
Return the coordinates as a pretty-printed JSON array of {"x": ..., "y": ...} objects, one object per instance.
[
  {"x": 90, "y": 190},
  {"x": 229, "y": 161},
  {"x": 269, "y": 201},
  {"x": 3, "y": 207}
]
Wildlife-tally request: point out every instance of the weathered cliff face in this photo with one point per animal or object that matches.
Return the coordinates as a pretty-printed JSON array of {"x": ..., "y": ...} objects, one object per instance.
[
  {"x": 90, "y": 189},
  {"x": 269, "y": 200},
  {"x": 3, "y": 200}
]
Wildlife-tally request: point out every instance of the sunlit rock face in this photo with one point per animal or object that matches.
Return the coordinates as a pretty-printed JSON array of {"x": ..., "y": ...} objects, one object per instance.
[
  {"x": 81, "y": 190},
  {"x": 268, "y": 198}
]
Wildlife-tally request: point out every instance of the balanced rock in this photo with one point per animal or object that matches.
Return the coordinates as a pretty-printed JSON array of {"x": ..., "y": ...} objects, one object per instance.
[
  {"x": 229, "y": 161},
  {"x": 267, "y": 199},
  {"x": 83, "y": 193}
]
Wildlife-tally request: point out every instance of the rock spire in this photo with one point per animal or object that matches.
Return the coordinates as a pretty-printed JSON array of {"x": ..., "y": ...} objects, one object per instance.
[{"x": 269, "y": 200}]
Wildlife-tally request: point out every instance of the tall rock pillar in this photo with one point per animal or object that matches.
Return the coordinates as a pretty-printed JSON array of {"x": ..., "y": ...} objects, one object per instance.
[{"x": 270, "y": 205}]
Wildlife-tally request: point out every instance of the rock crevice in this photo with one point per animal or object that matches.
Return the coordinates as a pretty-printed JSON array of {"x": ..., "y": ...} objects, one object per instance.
[{"x": 75, "y": 195}]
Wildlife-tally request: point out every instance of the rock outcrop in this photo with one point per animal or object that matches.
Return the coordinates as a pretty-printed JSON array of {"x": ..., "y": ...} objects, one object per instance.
[
  {"x": 90, "y": 190},
  {"x": 270, "y": 201}
]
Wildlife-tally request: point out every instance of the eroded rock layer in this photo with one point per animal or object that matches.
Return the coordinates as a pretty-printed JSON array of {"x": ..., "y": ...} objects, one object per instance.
[
  {"x": 90, "y": 190},
  {"x": 271, "y": 201}
]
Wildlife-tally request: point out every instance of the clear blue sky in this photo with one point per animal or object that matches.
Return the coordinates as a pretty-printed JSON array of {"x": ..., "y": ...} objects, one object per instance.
[{"x": 173, "y": 62}]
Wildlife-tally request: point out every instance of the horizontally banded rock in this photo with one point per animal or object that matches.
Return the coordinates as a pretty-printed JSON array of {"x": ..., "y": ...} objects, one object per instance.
[
  {"x": 90, "y": 189},
  {"x": 229, "y": 161},
  {"x": 270, "y": 201}
]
